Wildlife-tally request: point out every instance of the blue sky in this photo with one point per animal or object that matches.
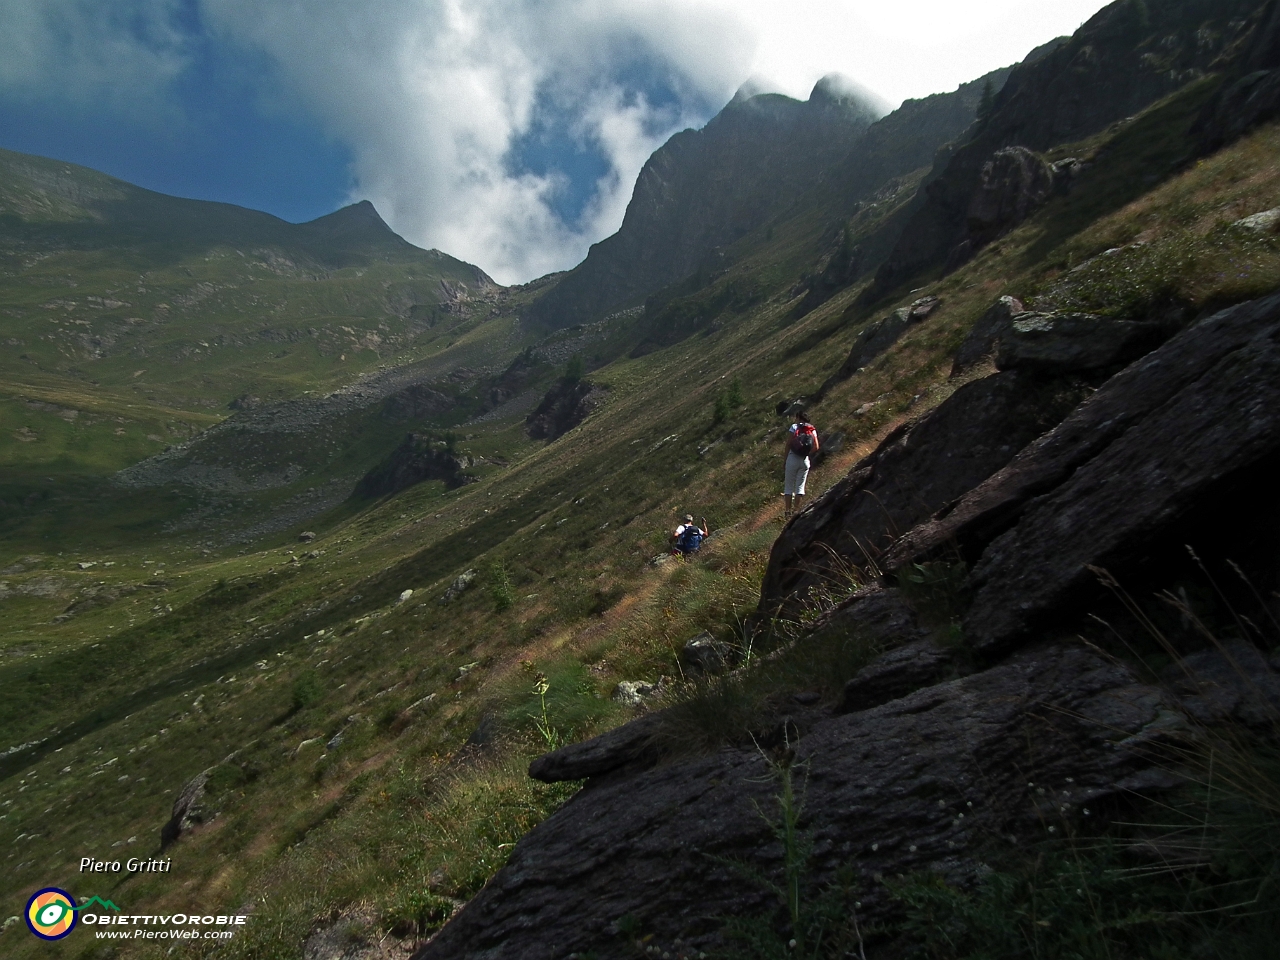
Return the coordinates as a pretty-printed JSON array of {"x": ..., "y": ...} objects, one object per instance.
[{"x": 506, "y": 132}]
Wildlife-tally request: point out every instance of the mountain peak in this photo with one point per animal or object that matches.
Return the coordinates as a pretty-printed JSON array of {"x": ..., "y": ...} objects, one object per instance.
[
  {"x": 835, "y": 89},
  {"x": 358, "y": 222}
]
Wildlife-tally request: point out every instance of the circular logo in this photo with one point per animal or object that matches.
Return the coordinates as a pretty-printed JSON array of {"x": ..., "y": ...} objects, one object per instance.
[{"x": 51, "y": 913}]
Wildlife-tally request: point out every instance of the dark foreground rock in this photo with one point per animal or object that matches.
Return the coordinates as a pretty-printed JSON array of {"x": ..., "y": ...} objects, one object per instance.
[
  {"x": 1195, "y": 425},
  {"x": 924, "y": 782}
]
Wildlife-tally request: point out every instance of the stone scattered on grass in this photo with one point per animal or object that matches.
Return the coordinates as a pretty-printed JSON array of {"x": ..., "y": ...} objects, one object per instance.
[
  {"x": 633, "y": 693},
  {"x": 464, "y": 580},
  {"x": 1268, "y": 221}
]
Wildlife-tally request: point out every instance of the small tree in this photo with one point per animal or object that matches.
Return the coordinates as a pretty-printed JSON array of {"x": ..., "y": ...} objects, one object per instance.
[
  {"x": 721, "y": 412},
  {"x": 500, "y": 587},
  {"x": 573, "y": 370},
  {"x": 987, "y": 102}
]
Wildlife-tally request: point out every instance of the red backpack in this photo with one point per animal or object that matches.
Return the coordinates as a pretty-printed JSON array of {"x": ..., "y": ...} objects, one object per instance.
[{"x": 804, "y": 439}]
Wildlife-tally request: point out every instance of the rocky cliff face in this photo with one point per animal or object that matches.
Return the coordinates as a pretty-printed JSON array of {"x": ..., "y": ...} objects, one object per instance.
[
  {"x": 1125, "y": 58},
  {"x": 704, "y": 189}
]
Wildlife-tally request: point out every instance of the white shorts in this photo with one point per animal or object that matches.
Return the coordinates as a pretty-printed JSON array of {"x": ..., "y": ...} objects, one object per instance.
[{"x": 797, "y": 474}]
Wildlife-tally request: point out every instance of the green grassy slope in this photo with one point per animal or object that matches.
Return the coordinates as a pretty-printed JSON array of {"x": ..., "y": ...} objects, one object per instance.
[
  {"x": 156, "y": 302},
  {"x": 130, "y": 321},
  {"x": 129, "y": 676}
]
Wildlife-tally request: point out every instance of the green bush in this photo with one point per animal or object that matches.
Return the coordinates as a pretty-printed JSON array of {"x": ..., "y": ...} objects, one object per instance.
[{"x": 306, "y": 690}]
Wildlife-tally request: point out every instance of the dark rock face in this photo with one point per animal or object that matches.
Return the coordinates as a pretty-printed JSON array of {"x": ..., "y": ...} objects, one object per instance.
[
  {"x": 1125, "y": 58},
  {"x": 1061, "y": 343},
  {"x": 1012, "y": 184},
  {"x": 632, "y": 744},
  {"x": 188, "y": 809},
  {"x": 1252, "y": 94},
  {"x": 565, "y": 406},
  {"x": 918, "y": 468},
  {"x": 1232, "y": 682},
  {"x": 418, "y": 458},
  {"x": 922, "y": 782},
  {"x": 1195, "y": 423},
  {"x": 895, "y": 674}
]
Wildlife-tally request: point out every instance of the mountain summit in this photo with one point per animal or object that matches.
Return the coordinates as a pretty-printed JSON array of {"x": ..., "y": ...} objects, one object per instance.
[{"x": 704, "y": 189}]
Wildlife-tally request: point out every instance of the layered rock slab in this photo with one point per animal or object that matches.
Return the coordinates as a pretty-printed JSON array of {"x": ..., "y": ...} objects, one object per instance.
[
  {"x": 1153, "y": 443},
  {"x": 927, "y": 781}
]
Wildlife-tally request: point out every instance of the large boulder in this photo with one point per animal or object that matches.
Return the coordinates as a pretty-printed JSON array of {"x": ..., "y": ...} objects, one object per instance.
[
  {"x": 1012, "y": 185},
  {"x": 1190, "y": 431},
  {"x": 981, "y": 339},
  {"x": 925, "y": 782},
  {"x": 1059, "y": 343}
]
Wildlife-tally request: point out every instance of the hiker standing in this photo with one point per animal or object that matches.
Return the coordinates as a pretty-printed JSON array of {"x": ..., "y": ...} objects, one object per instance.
[
  {"x": 802, "y": 440},
  {"x": 689, "y": 536}
]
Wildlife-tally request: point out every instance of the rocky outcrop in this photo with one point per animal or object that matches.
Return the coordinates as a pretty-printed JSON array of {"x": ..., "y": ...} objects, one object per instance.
[
  {"x": 1128, "y": 56},
  {"x": 189, "y": 809},
  {"x": 981, "y": 339},
  {"x": 1059, "y": 343},
  {"x": 1195, "y": 425},
  {"x": 1012, "y": 184},
  {"x": 924, "y": 782},
  {"x": 704, "y": 654},
  {"x": 897, "y": 673},
  {"x": 920, "y": 467},
  {"x": 632, "y": 744},
  {"x": 419, "y": 457},
  {"x": 417, "y": 402},
  {"x": 1251, "y": 95},
  {"x": 565, "y": 405}
]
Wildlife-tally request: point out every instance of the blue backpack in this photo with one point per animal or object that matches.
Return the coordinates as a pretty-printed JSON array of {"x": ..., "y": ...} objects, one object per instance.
[{"x": 690, "y": 539}]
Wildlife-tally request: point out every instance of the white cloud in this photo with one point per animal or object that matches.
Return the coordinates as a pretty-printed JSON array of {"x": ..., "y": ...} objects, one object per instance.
[{"x": 434, "y": 97}]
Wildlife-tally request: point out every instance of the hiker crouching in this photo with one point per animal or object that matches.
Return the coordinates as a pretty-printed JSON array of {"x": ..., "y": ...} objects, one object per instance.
[{"x": 688, "y": 536}]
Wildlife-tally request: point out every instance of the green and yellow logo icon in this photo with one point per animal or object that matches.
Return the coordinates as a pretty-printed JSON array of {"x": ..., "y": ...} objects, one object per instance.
[{"x": 51, "y": 913}]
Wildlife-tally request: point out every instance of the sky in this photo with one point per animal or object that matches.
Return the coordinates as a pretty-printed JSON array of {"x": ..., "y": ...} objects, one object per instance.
[{"x": 508, "y": 133}]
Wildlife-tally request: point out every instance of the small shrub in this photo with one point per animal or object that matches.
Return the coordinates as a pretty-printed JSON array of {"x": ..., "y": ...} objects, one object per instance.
[
  {"x": 306, "y": 690},
  {"x": 500, "y": 587},
  {"x": 721, "y": 411}
]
